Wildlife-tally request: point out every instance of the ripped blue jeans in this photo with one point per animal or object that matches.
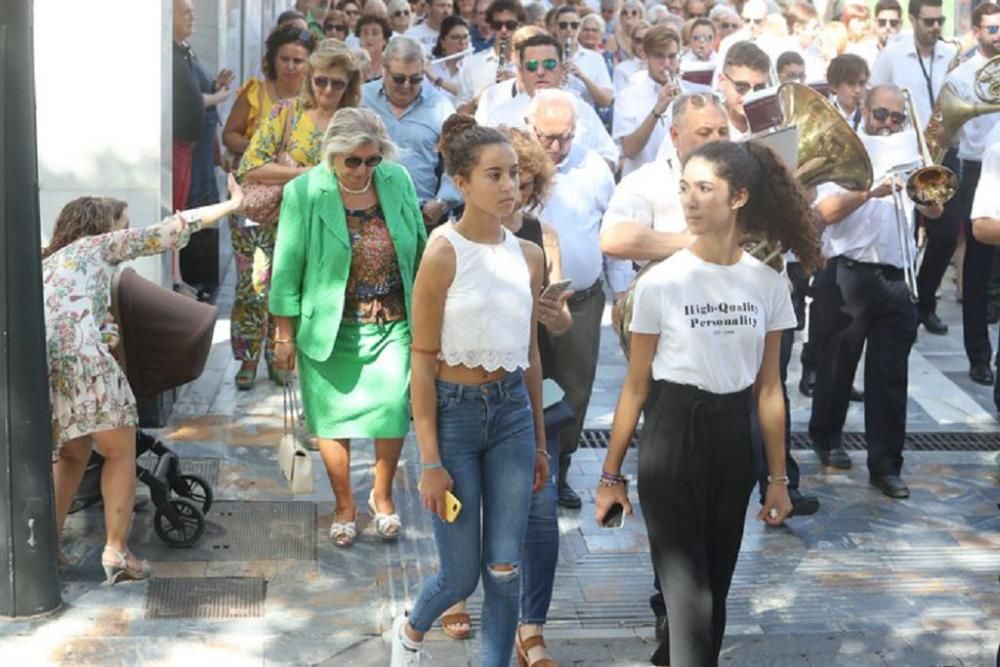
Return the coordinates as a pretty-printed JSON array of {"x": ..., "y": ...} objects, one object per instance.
[{"x": 486, "y": 437}]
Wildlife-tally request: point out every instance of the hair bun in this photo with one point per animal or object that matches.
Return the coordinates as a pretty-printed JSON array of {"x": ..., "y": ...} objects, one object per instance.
[{"x": 454, "y": 126}]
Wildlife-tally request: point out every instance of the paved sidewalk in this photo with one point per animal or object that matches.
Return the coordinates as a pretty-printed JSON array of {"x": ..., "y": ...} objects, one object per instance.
[{"x": 866, "y": 581}]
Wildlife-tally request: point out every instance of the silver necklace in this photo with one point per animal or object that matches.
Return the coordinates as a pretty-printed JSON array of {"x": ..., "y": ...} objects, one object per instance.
[{"x": 355, "y": 192}]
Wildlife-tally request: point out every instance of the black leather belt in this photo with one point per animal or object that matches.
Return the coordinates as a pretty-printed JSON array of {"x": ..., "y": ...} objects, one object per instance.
[
  {"x": 584, "y": 294},
  {"x": 887, "y": 271}
]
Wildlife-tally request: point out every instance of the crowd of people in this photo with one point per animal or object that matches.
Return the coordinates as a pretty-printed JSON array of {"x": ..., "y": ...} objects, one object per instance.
[{"x": 431, "y": 204}]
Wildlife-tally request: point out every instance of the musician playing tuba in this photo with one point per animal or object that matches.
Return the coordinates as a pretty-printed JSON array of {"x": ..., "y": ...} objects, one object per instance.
[
  {"x": 971, "y": 140},
  {"x": 862, "y": 298}
]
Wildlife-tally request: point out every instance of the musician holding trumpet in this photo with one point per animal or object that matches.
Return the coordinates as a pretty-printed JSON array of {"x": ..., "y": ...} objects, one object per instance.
[{"x": 864, "y": 297}]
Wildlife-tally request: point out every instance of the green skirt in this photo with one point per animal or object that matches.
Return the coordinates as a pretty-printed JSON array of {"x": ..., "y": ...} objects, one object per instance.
[{"x": 362, "y": 390}]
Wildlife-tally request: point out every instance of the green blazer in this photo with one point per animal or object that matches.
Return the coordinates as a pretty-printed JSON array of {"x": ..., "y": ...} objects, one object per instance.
[{"x": 312, "y": 256}]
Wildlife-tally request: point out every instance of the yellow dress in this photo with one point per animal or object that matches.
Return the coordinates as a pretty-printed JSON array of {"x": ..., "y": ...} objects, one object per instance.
[{"x": 305, "y": 140}]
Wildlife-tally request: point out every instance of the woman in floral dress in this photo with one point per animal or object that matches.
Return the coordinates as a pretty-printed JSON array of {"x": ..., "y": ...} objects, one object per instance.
[{"x": 90, "y": 398}]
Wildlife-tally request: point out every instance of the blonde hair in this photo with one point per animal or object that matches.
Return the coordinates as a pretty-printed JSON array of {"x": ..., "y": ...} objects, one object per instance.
[
  {"x": 353, "y": 127},
  {"x": 623, "y": 41},
  {"x": 84, "y": 216},
  {"x": 329, "y": 54}
]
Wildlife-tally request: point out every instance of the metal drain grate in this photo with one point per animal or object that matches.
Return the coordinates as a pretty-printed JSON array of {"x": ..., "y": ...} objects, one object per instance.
[
  {"x": 221, "y": 597},
  {"x": 915, "y": 442},
  {"x": 207, "y": 468},
  {"x": 246, "y": 531}
]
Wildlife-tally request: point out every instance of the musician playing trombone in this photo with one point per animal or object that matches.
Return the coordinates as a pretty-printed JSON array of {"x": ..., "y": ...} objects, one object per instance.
[
  {"x": 864, "y": 298},
  {"x": 971, "y": 142}
]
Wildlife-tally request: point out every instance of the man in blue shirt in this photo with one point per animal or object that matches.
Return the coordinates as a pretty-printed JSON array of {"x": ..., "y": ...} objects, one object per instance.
[{"x": 413, "y": 115}]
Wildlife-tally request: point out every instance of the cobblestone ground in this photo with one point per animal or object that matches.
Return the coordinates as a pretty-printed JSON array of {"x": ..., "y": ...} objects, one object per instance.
[{"x": 866, "y": 581}]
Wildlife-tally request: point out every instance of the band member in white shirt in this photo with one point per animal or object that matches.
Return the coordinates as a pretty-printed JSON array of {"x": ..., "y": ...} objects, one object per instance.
[
  {"x": 427, "y": 31},
  {"x": 888, "y": 21},
  {"x": 971, "y": 141},
  {"x": 483, "y": 69},
  {"x": 985, "y": 212},
  {"x": 847, "y": 75},
  {"x": 706, "y": 333},
  {"x": 919, "y": 63},
  {"x": 863, "y": 299},
  {"x": 581, "y": 188},
  {"x": 585, "y": 71}
]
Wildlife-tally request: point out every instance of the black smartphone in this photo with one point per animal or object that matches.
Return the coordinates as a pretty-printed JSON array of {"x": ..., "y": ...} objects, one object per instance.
[{"x": 615, "y": 518}]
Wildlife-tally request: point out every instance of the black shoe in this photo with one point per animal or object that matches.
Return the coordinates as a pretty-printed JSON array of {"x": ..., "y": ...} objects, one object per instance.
[
  {"x": 661, "y": 627},
  {"x": 802, "y": 505},
  {"x": 981, "y": 373},
  {"x": 857, "y": 396},
  {"x": 835, "y": 458},
  {"x": 933, "y": 324},
  {"x": 807, "y": 383},
  {"x": 569, "y": 499},
  {"x": 890, "y": 485}
]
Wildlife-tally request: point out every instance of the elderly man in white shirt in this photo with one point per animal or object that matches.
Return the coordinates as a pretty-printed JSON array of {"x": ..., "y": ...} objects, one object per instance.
[
  {"x": 539, "y": 60},
  {"x": 481, "y": 70},
  {"x": 581, "y": 188},
  {"x": 985, "y": 212},
  {"x": 585, "y": 71},
  {"x": 972, "y": 143}
]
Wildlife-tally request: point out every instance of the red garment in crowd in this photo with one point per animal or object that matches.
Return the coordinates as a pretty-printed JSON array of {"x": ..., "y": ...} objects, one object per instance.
[{"x": 182, "y": 155}]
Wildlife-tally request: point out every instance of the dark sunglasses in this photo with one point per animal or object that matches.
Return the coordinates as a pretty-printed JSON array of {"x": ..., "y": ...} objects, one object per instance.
[
  {"x": 729, "y": 26},
  {"x": 401, "y": 12},
  {"x": 329, "y": 82},
  {"x": 402, "y": 79},
  {"x": 511, "y": 26},
  {"x": 754, "y": 21},
  {"x": 549, "y": 64},
  {"x": 931, "y": 22},
  {"x": 334, "y": 27},
  {"x": 568, "y": 25},
  {"x": 743, "y": 87},
  {"x": 353, "y": 161},
  {"x": 895, "y": 117},
  {"x": 889, "y": 23}
]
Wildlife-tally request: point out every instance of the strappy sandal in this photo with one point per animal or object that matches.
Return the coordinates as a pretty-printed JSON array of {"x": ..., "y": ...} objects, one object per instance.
[
  {"x": 459, "y": 618},
  {"x": 525, "y": 646},
  {"x": 343, "y": 534},
  {"x": 388, "y": 526},
  {"x": 117, "y": 567},
  {"x": 245, "y": 379}
]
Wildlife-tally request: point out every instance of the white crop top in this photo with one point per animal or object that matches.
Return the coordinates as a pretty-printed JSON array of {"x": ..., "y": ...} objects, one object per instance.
[{"x": 487, "y": 311}]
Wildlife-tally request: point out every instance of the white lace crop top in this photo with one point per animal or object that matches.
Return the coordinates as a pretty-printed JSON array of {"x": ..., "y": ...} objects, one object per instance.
[{"x": 487, "y": 311}]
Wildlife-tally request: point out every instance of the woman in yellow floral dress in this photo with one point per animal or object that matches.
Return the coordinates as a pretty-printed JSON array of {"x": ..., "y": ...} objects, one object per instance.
[
  {"x": 91, "y": 401},
  {"x": 332, "y": 82}
]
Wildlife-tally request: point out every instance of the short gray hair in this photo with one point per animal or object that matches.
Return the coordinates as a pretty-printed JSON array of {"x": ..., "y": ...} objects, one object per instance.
[
  {"x": 551, "y": 97},
  {"x": 403, "y": 48},
  {"x": 594, "y": 17},
  {"x": 353, "y": 127}
]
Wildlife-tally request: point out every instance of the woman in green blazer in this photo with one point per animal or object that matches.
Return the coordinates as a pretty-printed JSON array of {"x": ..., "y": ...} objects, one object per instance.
[{"x": 350, "y": 236}]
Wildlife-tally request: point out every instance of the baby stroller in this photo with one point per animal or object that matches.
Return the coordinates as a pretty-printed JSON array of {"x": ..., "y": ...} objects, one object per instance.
[{"x": 164, "y": 343}]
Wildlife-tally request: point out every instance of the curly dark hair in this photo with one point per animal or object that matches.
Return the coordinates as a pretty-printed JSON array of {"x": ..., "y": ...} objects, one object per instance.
[
  {"x": 461, "y": 140},
  {"x": 277, "y": 39},
  {"x": 447, "y": 25},
  {"x": 535, "y": 164},
  {"x": 777, "y": 207}
]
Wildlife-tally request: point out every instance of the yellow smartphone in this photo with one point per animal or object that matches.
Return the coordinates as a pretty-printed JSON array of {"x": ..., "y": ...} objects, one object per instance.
[{"x": 452, "y": 507}]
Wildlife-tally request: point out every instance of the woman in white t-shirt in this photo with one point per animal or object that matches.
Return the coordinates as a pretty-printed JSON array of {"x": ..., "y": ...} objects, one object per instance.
[{"x": 706, "y": 333}]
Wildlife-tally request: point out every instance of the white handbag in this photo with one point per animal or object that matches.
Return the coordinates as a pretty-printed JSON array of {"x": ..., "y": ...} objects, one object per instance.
[{"x": 293, "y": 457}]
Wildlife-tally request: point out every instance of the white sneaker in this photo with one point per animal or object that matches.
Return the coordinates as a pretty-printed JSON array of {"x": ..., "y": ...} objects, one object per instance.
[{"x": 402, "y": 656}]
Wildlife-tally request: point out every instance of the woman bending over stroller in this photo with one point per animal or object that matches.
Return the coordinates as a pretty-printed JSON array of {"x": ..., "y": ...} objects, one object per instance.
[{"x": 90, "y": 397}]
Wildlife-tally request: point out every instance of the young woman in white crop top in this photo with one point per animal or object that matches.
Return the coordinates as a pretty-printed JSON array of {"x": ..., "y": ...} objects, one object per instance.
[
  {"x": 706, "y": 334},
  {"x": 476, "y": 395}
]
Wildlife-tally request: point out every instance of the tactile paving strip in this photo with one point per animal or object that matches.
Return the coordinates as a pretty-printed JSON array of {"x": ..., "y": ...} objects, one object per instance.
[
  {"x": 205, "y": 597},
  {"x": 246, "y": 531}
]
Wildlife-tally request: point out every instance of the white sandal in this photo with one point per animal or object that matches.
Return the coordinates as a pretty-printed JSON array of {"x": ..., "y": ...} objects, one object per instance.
[
  {"x": 388, "y": 526},
  {"x": 343, "y": 534}
]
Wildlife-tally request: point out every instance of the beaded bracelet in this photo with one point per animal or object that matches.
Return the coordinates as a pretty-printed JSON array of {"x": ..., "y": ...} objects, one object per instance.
[{"x": 608, "y": 480}]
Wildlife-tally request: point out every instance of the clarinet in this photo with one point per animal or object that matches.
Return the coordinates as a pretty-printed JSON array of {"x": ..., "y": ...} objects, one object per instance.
[{"x": 502, "y": 58}]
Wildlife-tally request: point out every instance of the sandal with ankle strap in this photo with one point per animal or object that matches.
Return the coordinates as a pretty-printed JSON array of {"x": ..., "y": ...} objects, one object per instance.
[
  {"x": 525, "y": 646},
  {"x": 117, "y": 567},
  {"x": 388, "y": 526}
]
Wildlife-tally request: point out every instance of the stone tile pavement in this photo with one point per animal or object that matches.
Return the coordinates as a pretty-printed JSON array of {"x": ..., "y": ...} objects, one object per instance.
[{"x": 866, "y": 581}]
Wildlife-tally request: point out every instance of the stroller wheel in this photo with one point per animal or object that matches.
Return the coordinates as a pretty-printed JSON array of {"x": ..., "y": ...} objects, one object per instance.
[
  {"x": 197, "y": 489},
  {"x": 184, "y": 528}
]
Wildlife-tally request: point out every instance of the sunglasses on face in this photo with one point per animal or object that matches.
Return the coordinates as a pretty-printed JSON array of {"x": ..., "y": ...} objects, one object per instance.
[
  {"x": 889, "y": 23},
  {"x": 568, "y": 25},
  {"x": 729, "y": 26},
  {"x": 402, "y": 79},
  {"x": 401, "y": 13},
  {"x": 932, "y": 22},
  {"x": 754, "y": 21},
  {"x": 334, "y": 27},
  {"x": 549, "y": 64},
  {"x": 353, "y": 161},
  {"x": 743, "y": 87},
  {"x": 329, "y": 82},
  {"x": 511, "y": 26},
  {"x": 895, "y": 117}
]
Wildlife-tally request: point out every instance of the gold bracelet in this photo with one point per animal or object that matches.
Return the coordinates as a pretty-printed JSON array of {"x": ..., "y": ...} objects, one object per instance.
[
  {"x": 278, "y": 341},
  {"x": 544, "y": 453}
]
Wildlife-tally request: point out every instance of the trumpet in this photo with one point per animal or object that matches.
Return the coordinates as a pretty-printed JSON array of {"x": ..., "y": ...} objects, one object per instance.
[{"x": 930, "y": 184}]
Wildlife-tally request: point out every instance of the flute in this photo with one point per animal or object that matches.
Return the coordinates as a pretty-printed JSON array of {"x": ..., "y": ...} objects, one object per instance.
[{"x": 451, "y": 57}]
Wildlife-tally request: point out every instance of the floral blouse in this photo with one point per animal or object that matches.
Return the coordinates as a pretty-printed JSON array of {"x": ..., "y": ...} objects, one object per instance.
[
  {"x": 374, "y": 291},
  {"x": 305, "y": 140}
]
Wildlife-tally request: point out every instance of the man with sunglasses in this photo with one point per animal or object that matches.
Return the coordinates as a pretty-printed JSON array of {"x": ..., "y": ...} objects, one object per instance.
[
  {"x": 427, "y": 31},
  {"x": 862, "y": 298},
  {"x": 971, "y": 142},
  {"x": 413, "y": 115},
  {"x": 585, "y": 70},
  {"x": 482, "y": 69},
  {"x": 888, "y": 21},
  {"x": 539, "y": 60}
]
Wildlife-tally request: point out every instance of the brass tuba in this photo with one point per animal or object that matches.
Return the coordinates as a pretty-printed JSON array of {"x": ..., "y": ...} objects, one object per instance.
[{"x": 952, "y": 111}]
